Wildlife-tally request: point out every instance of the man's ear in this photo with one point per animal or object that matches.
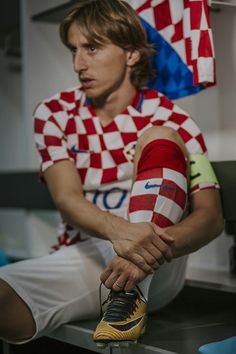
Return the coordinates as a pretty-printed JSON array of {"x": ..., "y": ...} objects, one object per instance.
[{"x": 132, "y": 57}]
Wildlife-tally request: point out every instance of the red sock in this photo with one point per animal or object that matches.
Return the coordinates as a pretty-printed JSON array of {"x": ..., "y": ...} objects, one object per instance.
[{"x": 159, "y": 193}]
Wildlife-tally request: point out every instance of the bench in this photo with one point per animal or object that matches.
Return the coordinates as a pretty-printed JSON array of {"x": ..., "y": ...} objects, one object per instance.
[{"x": 179, "y": 328}]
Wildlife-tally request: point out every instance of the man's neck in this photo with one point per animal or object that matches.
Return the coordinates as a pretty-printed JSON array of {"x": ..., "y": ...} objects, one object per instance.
[{"x": 107, "y": 108}]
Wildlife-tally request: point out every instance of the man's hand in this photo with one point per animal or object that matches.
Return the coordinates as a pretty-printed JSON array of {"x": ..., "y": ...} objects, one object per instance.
[
  {"x": 145, "y": 245},
  {"x": 121, "y": 275}
]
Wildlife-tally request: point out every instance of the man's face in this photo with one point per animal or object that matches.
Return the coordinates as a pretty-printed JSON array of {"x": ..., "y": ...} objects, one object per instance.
[{"x": 101, "y": 70}]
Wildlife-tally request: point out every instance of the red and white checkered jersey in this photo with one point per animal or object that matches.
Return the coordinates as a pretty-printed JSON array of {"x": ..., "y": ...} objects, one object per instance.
[{"x": 67, "y": 128}]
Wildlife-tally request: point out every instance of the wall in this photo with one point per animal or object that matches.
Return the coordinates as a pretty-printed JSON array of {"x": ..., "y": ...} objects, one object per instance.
[
  {"x": 12, "y": 148},
  {"x": 46, "y": 63},
  {"x": 11, "y": 118},
  {"x": 48, "y": 68},
  {"x": 31, "y": 234}
]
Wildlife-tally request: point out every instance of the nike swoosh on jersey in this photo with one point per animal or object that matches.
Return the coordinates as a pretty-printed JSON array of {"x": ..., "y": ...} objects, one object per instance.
[
  {"x": 79, "y": 151},
  {"x": 155, "y": 185},
  {"x": 127, "y": 326}
]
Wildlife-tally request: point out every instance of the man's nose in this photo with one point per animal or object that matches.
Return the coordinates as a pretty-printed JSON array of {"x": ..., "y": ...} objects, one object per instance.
[{"x": 79, "y": 61}]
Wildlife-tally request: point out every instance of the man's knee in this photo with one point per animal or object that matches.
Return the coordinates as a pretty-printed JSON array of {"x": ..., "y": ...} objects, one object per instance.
[
  {"x": 160, "y": 132},
  {"x": 16, "y": 320}
]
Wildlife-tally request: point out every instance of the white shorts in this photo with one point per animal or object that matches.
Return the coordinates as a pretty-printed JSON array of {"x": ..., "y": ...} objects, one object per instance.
[{"x": 64, "y": 286}]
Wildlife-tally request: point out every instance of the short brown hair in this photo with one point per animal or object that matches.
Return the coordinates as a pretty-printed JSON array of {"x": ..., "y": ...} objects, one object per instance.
[{"x": 118, "y": 22}]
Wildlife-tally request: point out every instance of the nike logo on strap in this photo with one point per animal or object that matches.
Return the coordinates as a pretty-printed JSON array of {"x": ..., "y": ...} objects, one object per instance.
[
  {"x": 79, "y": 151},
  {"x": 127, "y": 326},
  {"x": 155, "y": 185}
]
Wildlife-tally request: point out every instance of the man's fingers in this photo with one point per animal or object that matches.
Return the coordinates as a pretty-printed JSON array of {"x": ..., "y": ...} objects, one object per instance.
[
  {"x": 122, "y": 275},
  {"x": 163, "y": 248},
  {"x": 130, "y": 284},
  {"x": 153, "y": 256},
  {"x": 153, "y": 251},
  {"x": 145, "y": 260},
  {"x": 150, "y": 257},
  {"x": 167, "y": 238},
  {"x": 105, "y": 275},
  {"x": 163, "y": 234},
  {"x": 111, "y": 280},
  {"x": 116, "y": 281},
  {"x": 119, "y": 284},
  {"x": 140, "y": 262}
]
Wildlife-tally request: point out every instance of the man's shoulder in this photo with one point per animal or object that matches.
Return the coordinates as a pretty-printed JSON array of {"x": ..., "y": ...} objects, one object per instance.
[
  {"x": 62, "y": 101},
  {"x": 151, "y": 94},
  {"x": 170, "y": 114},
  {"x": 162, "y": 105}
]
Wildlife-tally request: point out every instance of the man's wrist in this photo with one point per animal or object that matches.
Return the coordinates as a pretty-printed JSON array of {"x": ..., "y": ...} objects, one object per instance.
[{"x": 114, "y": 226}]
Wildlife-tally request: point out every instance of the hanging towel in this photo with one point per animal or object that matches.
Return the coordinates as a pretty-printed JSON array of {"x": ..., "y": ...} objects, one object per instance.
[{"x": 180, "y": 32}]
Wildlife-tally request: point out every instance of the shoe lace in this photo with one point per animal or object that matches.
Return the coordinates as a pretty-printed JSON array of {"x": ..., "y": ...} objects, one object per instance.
[{"x": 121, "y": 305}]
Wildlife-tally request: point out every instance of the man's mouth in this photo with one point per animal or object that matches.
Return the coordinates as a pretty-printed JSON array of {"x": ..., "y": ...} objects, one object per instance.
[{"x": 86, "y": 82}]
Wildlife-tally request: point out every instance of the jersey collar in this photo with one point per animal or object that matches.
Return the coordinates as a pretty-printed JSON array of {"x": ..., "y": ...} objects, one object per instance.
[{"x": 136, "y": 104}]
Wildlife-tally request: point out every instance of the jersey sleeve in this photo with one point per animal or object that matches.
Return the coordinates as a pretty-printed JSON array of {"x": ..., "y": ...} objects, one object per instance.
[
  {"x": 174, "y": 117},
  {"x": 49, "y": 118}
]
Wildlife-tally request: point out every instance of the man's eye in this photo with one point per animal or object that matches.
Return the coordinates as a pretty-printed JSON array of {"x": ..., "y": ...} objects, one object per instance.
[
  {"x": 92, "y": 49},
  {"x": 73, "y": 51}
]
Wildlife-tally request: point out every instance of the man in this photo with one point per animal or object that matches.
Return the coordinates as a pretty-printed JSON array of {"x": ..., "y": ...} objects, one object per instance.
[{"x": 93, "y": 140}]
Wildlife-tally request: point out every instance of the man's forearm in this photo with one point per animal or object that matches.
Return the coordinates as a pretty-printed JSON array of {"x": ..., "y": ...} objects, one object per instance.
[
  {"x": 192, "y": 233},
  {"x": 80, "y": 213}
]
